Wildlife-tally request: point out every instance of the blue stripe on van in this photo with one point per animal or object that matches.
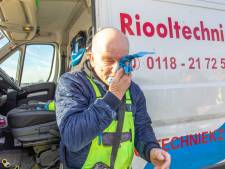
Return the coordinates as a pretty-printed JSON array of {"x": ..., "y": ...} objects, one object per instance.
[{"x": 198, "y": 155}]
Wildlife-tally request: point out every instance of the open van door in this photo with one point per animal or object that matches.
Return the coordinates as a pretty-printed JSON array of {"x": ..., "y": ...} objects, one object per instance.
[{"x": 35, "y": 49}]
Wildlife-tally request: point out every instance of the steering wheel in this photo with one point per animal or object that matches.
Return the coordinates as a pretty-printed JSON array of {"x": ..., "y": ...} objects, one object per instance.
[{"x": 8, "y": 81}]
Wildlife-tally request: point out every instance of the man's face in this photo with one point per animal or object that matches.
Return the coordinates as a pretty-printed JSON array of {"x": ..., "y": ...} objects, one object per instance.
[{"x": 106, "y": 63}]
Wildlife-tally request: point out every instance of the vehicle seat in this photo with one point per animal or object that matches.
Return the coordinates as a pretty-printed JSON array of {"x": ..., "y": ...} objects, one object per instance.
[
  {"x": 27, "y": 115},
  {"x": 32, "y": 126}
]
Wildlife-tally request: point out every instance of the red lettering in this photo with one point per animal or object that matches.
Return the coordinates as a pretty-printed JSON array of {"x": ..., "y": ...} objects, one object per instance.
[
  {"x": 170, "y": 27},
  {"x": 196, "y": 29},
  {"x": 135, "y": 64},
  {"x": 204, "y": 136},
  {"x": 126, "y": 22},
  {"x": 138, "y": 25},
  {"x": 199, "y": 137},
  {"x": 204, "y": 30},
  {"x": 152, "y": 29},
  {"x": 220, "y": 138},
  {"x": 186, "y": 31},
  {"x": 164, "y": 143},
  {"x": 184, "y": 139},
  {"x": 177, "y": 28},
  {"x": 221, "y": 32},
  {"x": 213, "y": 32},
  {"x": 194, "y": 138},
  {"x": 212, "y": 136},
  {"x": 172, "y": 143},
  {"x": 161, "y": 27}
]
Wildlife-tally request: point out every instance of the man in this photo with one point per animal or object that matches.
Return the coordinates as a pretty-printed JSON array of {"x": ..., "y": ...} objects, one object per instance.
[{"x": 88, "y": 110}]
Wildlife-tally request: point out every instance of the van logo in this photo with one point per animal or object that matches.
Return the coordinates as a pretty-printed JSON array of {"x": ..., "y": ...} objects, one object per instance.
[{"x": 198, "y": 150}]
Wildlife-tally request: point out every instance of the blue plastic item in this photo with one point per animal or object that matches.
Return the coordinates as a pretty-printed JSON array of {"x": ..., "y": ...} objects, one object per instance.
[
  {"x": 77, "y": 56},
  {"x": 125, "y": 62},
  {"x": 78, "y": 47}
]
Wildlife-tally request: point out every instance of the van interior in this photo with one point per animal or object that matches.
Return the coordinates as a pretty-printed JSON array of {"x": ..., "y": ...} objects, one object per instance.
[{"x": 36, "y": 39}]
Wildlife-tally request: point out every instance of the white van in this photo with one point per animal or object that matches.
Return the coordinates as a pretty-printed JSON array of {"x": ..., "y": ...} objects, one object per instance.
[{"x": 184, "y": 81}]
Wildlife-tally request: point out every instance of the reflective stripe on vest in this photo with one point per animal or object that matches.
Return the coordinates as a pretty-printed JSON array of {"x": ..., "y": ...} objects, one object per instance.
[{"x": 102, "y": 153}]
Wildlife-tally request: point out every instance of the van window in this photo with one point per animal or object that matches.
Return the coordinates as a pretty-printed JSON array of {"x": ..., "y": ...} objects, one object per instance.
[
  {"x": 37, "y": 63},
  {"x": 10, "y": 65},
  {"x": 3, "y": 39}
]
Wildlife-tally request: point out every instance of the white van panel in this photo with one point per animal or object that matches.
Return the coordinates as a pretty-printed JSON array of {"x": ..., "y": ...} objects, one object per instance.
[
  {"x": 181, "y": 93},
  {"x": 187, "y": 98}
]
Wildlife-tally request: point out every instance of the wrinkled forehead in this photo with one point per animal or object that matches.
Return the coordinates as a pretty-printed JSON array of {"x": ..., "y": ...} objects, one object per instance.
[{"x": 114, "y": 55}]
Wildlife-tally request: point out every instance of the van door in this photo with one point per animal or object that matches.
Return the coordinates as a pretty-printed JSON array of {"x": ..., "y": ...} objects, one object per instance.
[
  {"x": 31, "y": 67},
  {"x": 184, "y": 81}
]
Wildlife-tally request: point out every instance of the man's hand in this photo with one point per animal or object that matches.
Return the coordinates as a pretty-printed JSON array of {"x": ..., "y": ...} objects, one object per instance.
[
  {"x": 120, "y": 84},
  {"x": 160, "y": 158}
]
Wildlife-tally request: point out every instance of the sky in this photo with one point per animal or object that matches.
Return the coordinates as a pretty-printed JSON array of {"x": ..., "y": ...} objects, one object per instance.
[{"x": 37, "y": 64}]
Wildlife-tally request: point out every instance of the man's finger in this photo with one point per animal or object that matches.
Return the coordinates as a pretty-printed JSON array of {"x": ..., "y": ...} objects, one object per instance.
[
  {"x": 167, "y": 162},
  {"x": 126, "y": 78},
  {"x": 119, "y": 73}
]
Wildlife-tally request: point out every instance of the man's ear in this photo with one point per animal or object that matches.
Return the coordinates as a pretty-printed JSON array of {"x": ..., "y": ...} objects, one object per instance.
[{"x": 90, "y": 57}]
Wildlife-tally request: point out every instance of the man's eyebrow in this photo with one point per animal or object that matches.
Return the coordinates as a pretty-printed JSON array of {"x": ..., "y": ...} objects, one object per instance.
[{"x": 108, "y": 57}]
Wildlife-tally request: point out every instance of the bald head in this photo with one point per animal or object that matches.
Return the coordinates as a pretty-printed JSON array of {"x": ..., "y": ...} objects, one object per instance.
[
  {"x": 108, "y": 47},
  {"x": 110, "y": 39}
]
